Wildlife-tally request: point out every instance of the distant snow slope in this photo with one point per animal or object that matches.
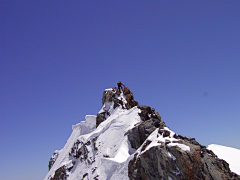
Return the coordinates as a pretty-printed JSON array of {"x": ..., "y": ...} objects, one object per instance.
[{"x": 231, "y": 155}]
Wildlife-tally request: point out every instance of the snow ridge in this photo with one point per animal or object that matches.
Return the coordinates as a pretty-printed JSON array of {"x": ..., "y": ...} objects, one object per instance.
[
  {"x": 101, "y": 150},
  {"x": 104, "y": 150}
]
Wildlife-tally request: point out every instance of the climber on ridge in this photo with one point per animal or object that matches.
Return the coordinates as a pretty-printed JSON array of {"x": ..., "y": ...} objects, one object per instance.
[{"x": 120, "y": 86}]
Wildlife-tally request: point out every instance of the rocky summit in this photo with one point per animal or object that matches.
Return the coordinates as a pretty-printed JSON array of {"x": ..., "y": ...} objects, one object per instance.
[{"x": 128, "y": 141}]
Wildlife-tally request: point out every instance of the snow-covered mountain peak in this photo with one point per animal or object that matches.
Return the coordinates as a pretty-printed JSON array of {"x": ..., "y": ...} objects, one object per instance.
[
  {"x": 91, "y": 151},
  {"x": 128, "y": 141}
]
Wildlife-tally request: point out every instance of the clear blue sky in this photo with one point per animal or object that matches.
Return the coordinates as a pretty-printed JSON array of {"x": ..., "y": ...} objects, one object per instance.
[{"x": 57, "y": 57}]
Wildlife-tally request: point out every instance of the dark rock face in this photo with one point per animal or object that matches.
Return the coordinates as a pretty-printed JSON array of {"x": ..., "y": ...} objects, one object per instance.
[
  {"x": 108, "y": 95},
  {"x": 153, "y": 164},
  {"x": 215, "y": 167},
  {"x": 171, "y": 162},
  {"x": 100, "y": 118},
  {"x": 139, "y": 134},
  {"x": 131, "y": 102},
  {"x": 201, "y": 163},
  {"x": 148, "y": 112},
  {"x": 52, "y": 160},
  {"x": 150, "y": 121},
  {"x": 60, "y": 174}
]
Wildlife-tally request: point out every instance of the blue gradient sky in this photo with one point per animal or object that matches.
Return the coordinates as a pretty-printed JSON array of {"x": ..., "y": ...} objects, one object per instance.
[{"x": 57, "y": 57}]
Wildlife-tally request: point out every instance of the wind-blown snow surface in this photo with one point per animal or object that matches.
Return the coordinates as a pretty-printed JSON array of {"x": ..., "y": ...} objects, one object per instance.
[
  {"x": 113, "y": 147},
  {"x": 231, "y": 155}
]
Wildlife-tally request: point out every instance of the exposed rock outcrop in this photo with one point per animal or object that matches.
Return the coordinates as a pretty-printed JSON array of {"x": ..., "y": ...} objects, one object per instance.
[
  {"x": 131, "y": 102},
  {"x": 53, "y": 159},
  {"x": 108, "y": 95},
  {"x": 150, "y": 121},
  {"x": 174, "y": 158},
  {"x": 60, "y": 174},
  {"x": 115, "y": 98},
  {"x": 100, "y": 118}
]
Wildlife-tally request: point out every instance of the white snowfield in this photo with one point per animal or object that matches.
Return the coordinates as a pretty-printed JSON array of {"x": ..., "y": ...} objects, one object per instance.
[
  {"x": 105, "y": 150},
  {"x": 113, "y": 146},
  {"x": 231, "y": 155}
]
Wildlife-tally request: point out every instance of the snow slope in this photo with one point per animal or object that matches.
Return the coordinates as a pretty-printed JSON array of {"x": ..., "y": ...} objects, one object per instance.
[
  {"x": 113, "y": 148},
  {"x": 231, "y": 155}
]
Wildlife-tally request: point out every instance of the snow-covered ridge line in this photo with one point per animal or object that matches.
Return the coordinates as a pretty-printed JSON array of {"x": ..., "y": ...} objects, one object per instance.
[
  {"x": 129, "y": 141},
  {"x": 111, "y": 144}
]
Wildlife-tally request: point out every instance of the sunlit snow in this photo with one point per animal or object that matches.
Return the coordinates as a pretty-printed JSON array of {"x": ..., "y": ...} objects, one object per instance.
[{"x": 231, "y": 155}]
